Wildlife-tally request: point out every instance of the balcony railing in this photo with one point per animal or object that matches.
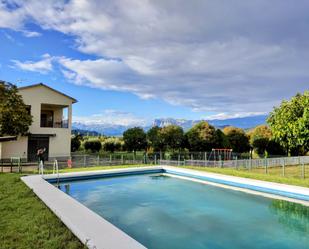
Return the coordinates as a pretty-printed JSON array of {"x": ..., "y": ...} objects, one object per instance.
[{"x": 56, "y": 124}]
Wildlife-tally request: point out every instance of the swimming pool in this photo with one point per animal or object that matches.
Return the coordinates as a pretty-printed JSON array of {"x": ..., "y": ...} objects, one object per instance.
[{"x": 161, "y": 211}]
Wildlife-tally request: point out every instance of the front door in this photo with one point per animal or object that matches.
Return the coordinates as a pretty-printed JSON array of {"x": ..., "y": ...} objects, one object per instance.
[{"x": 35, "y": 143}]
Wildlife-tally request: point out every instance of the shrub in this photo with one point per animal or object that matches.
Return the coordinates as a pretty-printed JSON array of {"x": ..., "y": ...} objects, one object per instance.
[
  {"x": 112, "y": 144},
  {"x": 75, "y": 143},
  {"x": 93, "y": 145}
]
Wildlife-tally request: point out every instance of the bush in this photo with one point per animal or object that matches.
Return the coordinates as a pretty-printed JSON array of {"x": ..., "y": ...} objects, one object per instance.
[
  {"x": 112, "y": 144},
  {"x": 75, "y": 143},
  {"x": 93, "y": 145}
]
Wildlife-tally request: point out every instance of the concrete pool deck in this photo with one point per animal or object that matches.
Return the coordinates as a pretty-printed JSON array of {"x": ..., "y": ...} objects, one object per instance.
[{"x": 96, "y": 232}]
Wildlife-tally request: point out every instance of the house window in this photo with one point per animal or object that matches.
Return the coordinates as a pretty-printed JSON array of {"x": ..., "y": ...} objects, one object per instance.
[{"x": 47, "y": 118}]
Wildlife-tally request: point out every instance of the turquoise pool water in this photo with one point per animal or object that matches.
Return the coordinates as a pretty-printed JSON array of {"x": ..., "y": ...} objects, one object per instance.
[{"x": 164, "y": 212}]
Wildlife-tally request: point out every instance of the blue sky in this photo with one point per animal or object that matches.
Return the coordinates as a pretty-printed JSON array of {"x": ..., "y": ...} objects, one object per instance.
[{"x": 129, "y": 61}]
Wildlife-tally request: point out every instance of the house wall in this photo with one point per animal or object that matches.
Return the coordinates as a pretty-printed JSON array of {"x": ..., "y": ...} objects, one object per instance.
[
  {"x": 16, "y": 148},
  {"x": 60, "y": 142},
  {"x": 59, "y": 145}
]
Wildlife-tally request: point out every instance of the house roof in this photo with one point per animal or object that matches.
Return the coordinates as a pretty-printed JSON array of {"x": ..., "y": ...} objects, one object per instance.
[
  {"x": 7, "y": 138},
  {"x": 41, "y": 84}
]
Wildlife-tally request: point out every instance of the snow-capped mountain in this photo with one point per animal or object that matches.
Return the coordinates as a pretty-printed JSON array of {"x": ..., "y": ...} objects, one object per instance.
[
  {"x": 117, "y": 130},
  {"x": 244, "y": 122}
]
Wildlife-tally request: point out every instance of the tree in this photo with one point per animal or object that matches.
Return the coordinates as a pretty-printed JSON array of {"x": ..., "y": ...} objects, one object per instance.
[
  {"x": 135, "y": 139},
  {"x": 172, "y": 137},
  {"x": 274, "y": 148},
  {"x": 221, "y": 140},
  {"x": 154, "y": 138},
  {"x": 260, "y": 138},
  {"x": 15, "y": 117},
  {"x": 75, "y": 143},
  {"x": 202, "y": 137},
  {"x": 93, "y": 145},
  {"x": 289, "y": 124},
  {"x": 237, "y": 138}
]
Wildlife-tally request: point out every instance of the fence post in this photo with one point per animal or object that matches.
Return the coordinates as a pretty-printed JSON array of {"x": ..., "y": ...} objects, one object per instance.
[
  {"x": 178, "y": 163},
  {"x": 122, "y": 159},
  {"x": 283, "y": 167},
  {"x": 84, "y": 160},
  {"x": 205, "y": 161},
  {"x": 19, "y": 166},
  {"x": 155, "y": 159},
  {"x": 98, "y": 160},
  {"x": 266, "y": 168},
  {"x": 250, "y": 165},
  {"x": 303, "y": 169},
  {"x": 110, "y": 158}
]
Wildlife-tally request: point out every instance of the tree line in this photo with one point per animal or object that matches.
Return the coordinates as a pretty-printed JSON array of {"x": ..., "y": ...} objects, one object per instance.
[{"x": 286, "y": 132}]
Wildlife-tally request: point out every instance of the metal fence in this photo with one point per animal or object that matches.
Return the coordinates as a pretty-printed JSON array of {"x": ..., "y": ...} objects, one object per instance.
[
  {"x": 297, "y": 167},
  {"x": 285, "y": 166},
  {"x": 76, "y": 161}
]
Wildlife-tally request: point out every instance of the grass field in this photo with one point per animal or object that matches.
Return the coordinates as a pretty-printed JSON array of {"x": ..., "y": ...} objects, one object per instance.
[
  {"x": 273, "y": 175},
  {"x": 25, "y": 222},
  {"x": 292, "y": 173}
]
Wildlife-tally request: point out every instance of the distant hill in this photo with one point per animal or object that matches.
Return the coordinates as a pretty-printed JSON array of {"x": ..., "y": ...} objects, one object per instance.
[
  {"x": 100, "y": 129},
  {"x": 85, "y": 132},
  {"x": 117, "y": 130},
  {"x": 244, "y": 123}
]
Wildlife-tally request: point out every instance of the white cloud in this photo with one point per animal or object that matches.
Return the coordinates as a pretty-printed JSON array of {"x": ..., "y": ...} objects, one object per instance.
[
  {"x": 31, "y": 33},
  {"x": 111, "y": 118},
  {"x": 42, "y": 66},
  {"x": 12, "y": 19},
  {"x": 232, "y": 58},
  {"x": 223, "y": 116}
]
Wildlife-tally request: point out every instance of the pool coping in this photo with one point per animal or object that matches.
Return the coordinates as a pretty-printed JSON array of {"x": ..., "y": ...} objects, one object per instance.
[{"x": 96, "y": 232}]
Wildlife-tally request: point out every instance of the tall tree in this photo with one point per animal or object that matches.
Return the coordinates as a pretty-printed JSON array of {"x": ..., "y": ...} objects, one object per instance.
[
  {"x": 260, "y": 138},
  {"x": 154, "y": 138},
  {"x": 238, "y": 139},
  {"x": 289, "y": 123},
  {"x": 15, "y": 118},
  {"x": 202, "y": 137},
  {"x": 172, "y": 137},
  {"x": 135, "y": 139}
]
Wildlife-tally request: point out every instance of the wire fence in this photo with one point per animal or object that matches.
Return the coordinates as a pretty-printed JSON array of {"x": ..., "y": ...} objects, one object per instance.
[{"x": 297, "y": 167}]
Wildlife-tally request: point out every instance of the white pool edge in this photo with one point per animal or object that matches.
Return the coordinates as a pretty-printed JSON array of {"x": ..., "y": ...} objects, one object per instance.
[
  {"x": 90, "y": 228},
  {"x": 96, "y": 232}
]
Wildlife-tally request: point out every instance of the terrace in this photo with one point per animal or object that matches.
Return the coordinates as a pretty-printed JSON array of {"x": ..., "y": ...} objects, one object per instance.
[{"x": 54, "y": 116}]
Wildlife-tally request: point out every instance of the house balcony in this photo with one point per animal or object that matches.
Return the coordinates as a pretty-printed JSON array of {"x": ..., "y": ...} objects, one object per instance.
[{"x": 54, "y": 116}]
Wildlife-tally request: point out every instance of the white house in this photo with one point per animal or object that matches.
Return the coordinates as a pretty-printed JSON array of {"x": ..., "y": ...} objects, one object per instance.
[{"x": 51, "y": 128}]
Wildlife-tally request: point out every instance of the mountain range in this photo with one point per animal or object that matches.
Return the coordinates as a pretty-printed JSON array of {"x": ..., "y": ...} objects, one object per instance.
[{"x": 117, "y": 130}]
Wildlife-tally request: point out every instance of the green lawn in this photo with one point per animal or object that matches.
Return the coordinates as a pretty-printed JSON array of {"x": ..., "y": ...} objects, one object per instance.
[
  {"x": 25, "y": 222},
  {"x": 274, "y": 175},
  {"x": 259, "y": 174}
]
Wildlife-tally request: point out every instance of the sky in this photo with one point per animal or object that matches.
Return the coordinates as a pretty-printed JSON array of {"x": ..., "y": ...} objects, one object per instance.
[{"x": 130, "y": 61}]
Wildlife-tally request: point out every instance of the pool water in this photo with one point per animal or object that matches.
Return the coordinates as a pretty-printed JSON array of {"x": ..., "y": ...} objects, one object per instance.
[{"x": 163, "y": 212}]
